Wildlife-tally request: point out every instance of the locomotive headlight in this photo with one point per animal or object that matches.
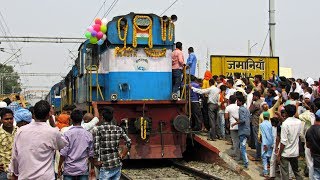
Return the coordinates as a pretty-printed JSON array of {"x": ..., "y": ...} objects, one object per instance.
[
  {"x": 114, "y": 97},
  {"x": 174, "y": 18}
]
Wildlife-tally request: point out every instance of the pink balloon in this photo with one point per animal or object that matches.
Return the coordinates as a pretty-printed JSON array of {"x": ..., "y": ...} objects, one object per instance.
[
  {"x": 96, "y": 27},
  {"x": 90, "y": 29},
  {"x": 98, "y": 21},
  {"x": 99, "y": 35}
]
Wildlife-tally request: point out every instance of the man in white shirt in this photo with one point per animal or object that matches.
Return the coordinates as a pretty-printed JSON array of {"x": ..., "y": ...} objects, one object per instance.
[
  {"x": 213, "y": 100},
  {"x": 231, "y": 90},
  {"x": 289, "y": 147},
  {"x": 232, "y": 113},
  {"x": 89, "y": 120}
]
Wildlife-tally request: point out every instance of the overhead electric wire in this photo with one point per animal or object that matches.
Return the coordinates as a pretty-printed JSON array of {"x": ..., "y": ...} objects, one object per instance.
[
  {"x": 264, "y": 42},
  {"x": 12, "y": 45},
  {"x": 168, "y": 8},
  {"x": 110, "y": 8},
  {"x": 103, "y": 5}
]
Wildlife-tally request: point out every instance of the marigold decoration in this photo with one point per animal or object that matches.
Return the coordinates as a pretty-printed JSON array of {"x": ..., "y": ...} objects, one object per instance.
[
  {"x": 143, "y": 125},
  {"x": 125, "y": 52},
  {"x": 156, "y": 53},
  {"x": 170, "y": 33},
  {"x": 148, "y": 28},
  {"x": 125, "y": 33},
  {"x": 163, "y": 30}
]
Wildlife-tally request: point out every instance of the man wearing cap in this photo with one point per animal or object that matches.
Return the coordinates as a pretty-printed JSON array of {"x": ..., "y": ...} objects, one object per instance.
[
  {"x": 313, "y": 139},
  {"x": 22, "y": 117},
  {"x": 266, "y": 142}
]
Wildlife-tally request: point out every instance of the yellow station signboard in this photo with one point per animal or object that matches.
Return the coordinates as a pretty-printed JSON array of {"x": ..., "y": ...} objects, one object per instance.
[{"x": 247, "y": 66}]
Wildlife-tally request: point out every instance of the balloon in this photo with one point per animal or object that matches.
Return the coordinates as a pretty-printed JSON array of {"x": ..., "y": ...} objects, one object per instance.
[
  {"x": 98, "y": 21},
  {"x": 90, "y": 29},
  {"x": 96, "y": 27},
  {"x": 104, "y": 37},
  {"x": 94, "y": 33},
  {"x": 93, "y": 40},
  {"x": 100, "y": 42},
  {"x": 104, "y": 21},
  {"x": 99, "y": 35},
  {"x": 88, "y": 34},
  {"x": 103, "y": 28}
]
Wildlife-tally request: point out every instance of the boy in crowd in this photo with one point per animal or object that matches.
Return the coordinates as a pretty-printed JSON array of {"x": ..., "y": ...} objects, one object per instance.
[{"x": 266, "y": 142}]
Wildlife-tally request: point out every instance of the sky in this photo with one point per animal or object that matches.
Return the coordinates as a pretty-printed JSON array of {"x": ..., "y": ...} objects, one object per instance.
[{"x": 219, "y": 27}]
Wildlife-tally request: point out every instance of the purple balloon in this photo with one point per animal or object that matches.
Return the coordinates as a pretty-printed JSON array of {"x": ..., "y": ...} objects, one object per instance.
[
  {"x": 93, "y": 33},
  {"x": 90, "y": 29}
]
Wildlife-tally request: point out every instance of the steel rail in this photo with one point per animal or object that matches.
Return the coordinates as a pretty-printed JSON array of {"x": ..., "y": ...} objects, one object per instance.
[{"x": 194, "y": 172}]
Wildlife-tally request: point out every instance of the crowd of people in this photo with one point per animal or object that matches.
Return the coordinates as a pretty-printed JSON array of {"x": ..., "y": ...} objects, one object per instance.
[
  {"x": 278, "y": 117},
  {"x": 36, "y": 144}
]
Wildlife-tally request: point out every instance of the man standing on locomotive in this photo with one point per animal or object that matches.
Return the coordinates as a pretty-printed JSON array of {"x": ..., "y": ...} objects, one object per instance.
[
  {"x": 177, "y": 67},
  {"x": 191, "y": 62}
]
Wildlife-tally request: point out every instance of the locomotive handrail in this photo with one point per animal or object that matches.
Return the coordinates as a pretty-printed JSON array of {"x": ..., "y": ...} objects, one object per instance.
[
  {"x": 186, "y": 80},
  {"x": 91, "y": 69}
]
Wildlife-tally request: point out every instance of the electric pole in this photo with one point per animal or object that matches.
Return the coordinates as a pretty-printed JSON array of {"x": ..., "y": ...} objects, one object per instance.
[{"x": 272, "y": 26}]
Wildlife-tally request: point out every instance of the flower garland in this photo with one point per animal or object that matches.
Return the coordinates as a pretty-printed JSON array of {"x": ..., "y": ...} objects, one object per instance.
[
  {"x": 124, "y": 38},
  {"x": 149, "y": 29},
  {"x": 143, "y": 126},
  {"x": 163, "y": 30},
  {"x": 170, "y": 33},
  {"x": 155, "y": 52}
]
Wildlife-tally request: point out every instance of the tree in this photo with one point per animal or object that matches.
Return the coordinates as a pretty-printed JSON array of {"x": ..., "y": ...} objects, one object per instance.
[{"x": 9, "y": 79}]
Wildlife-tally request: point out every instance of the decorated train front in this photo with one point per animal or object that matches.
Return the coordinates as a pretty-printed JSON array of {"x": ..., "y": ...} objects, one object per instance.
[{"x": 129, "y": 68}]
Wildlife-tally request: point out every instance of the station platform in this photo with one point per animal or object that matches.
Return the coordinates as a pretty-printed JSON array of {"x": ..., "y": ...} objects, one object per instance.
[{"x": 223, "y": 150}]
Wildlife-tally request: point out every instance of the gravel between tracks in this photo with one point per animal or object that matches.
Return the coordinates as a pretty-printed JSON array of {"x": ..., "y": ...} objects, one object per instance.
[
  {"x": 171, "y": 172},
  {"x": 214, "y": 169},
  {"x": 164, "y": 173}
]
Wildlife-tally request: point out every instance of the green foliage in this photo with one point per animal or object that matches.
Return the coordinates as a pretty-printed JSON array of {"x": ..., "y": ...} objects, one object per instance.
[{"x": 10, "y": 79}]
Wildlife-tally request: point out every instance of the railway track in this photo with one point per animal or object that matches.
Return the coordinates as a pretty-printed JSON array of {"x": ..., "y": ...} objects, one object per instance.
[
  {"x": 194, "y": 172},
  {"x": 172, "y": 170}
]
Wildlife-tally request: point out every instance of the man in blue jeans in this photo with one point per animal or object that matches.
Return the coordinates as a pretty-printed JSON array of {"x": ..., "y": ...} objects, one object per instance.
[
  {"x": 177, "y": 67},
  {"x": 243, "y": 128},
  {"x": 107, "y": 138}
]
